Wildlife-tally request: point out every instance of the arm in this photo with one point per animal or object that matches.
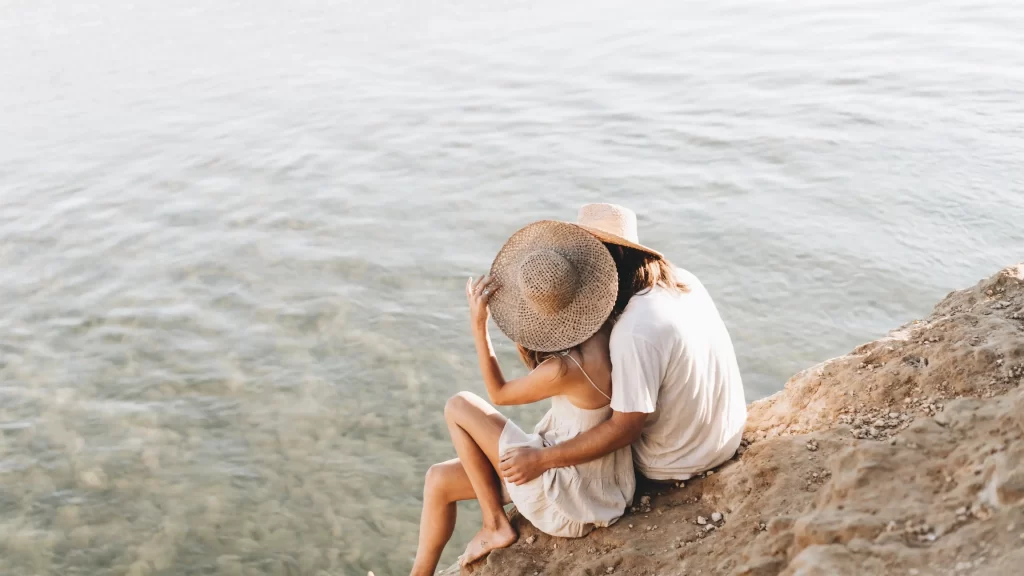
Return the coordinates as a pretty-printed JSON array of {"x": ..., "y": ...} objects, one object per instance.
[
  {"x": 636, "y": 378},
  {"x": 520, "y": 465},
  {"x": 542, "y": 382},
  {"x": 621, "y": 430}
]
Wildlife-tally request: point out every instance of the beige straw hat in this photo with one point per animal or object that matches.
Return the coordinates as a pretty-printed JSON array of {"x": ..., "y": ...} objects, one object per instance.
[
  {"x": 556, "y": 286},
  {"x": 613, "y": 224}
]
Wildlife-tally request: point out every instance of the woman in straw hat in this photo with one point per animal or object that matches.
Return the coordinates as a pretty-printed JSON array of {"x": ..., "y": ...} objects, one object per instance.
[{"x": 551, "y": 289}]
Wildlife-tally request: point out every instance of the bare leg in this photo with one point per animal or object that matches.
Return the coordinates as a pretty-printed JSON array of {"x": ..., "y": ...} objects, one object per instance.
[
  {"x": 446, "y": 483},
  {"x": 475, "y": 427}
]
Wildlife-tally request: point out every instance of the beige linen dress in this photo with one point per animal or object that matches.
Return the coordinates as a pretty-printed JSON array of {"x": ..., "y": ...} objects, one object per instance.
[{"x": 570, "y": 502}]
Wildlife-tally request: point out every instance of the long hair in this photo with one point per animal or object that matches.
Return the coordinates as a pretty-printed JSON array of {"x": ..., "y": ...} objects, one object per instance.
[
  {"x": 639, "y": 272},
  {"x": 533, "y": 358}
]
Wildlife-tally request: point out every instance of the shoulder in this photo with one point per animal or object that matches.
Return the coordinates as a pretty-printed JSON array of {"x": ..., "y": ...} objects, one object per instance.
[
  {"x": 645, "y": 320},
  {"x": 688, "y": 278},
  {"x": 661, "y": 315},
  {"x": 647, "y": 310},
  {"x": 551, "y": 370}
]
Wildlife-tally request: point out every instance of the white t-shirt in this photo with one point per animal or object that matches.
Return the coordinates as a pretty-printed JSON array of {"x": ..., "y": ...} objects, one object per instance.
[{"x": 672, "y": 358}]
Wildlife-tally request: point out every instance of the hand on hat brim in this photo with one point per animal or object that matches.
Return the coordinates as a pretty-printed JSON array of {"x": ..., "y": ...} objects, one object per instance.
[{"x": 478, "y": 293}]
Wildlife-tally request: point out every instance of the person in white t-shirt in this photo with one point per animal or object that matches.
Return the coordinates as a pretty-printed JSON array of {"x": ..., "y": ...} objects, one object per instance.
[{"x": 677, "y": 393}]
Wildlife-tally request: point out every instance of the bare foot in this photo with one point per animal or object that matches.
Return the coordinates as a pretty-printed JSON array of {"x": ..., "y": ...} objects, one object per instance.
[{"x": 487, "y": 540}]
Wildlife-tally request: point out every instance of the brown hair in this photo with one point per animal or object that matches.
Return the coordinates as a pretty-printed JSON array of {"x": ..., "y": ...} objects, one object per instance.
[
  {"x": 532, "y": 358},
  {"x": 639, "y": 272}
]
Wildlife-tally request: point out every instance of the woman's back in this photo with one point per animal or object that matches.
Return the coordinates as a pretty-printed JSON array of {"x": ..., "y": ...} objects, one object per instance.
[
  {"x": 552, "y": 287},
  {"x": 571, "y": 501},
  {"x": 586, "y": 401},
  {"x": 586, "y": 372}
]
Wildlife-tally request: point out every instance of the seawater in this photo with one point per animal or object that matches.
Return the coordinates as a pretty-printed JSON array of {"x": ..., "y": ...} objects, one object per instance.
[{"x": 234, "y": 235}]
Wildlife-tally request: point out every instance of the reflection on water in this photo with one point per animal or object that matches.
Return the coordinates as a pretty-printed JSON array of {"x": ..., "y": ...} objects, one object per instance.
[{"x": 233, "y": 236}]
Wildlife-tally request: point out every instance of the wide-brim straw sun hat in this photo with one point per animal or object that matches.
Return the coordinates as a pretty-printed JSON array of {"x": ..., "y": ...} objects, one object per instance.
[
  {"x": 613, "y": 224},
  {"x": 556, "y": 286}
]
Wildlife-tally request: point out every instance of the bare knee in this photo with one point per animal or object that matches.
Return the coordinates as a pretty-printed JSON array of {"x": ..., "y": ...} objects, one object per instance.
[
  {"x": 458, "y": 404},
  {"x": 437, "y": 482},
  {"x": 433, "y": 482}
]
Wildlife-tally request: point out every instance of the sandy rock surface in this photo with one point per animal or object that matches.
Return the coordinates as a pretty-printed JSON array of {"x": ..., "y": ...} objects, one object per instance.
[{"x": 904, "y": 457}]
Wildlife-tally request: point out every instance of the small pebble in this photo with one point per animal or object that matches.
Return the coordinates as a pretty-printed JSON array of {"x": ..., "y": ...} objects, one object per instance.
[
  {"x": 717, "y": 516},
  {"x": 702, "y": 520},
  {"x": 610, "y": 569},
  {"x": 630, "y": 526},
  {"x": 531, "y": 539}
]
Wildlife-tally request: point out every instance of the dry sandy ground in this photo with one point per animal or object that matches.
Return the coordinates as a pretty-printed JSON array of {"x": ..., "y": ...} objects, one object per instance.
[{"x": 903, "y": 457}]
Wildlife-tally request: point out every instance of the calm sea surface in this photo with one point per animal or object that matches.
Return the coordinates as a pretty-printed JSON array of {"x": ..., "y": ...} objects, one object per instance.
[{"x": 234, "y": 235}]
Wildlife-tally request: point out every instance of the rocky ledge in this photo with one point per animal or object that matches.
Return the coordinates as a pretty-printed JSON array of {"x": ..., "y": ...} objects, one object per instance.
[{"x": 903, "y": 457}]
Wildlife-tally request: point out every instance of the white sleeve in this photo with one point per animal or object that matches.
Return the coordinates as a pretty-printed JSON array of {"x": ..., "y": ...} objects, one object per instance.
[{"x": 636, "y": 374}]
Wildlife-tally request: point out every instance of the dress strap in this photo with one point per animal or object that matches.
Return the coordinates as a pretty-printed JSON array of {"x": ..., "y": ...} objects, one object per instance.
[{"x": 575, "y": 361}]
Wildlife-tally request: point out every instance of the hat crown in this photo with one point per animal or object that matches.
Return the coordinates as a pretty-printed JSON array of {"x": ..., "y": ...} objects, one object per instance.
[
  {"x": 556, "y": 286},
  {"x": 610, "y": 218},
  {"x": 548, "y": 281}
]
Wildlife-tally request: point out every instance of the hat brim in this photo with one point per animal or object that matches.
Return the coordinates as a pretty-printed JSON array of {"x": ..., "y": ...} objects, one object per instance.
[
  {"x": 583, "y": 316},
  {"x": 619, "y": 240}
]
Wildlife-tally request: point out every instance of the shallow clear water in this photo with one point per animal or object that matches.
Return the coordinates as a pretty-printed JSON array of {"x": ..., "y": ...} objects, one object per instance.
[{"x": 234, "y": 235}]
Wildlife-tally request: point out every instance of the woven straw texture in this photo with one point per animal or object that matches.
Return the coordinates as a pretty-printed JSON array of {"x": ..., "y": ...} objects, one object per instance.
[
  {"x": 613, "y": 224},
  {"x": 556, "y": 286}
]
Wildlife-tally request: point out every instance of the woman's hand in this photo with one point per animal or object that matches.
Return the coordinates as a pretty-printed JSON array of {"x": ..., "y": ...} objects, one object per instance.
[{"x": 478, "y": 292}]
